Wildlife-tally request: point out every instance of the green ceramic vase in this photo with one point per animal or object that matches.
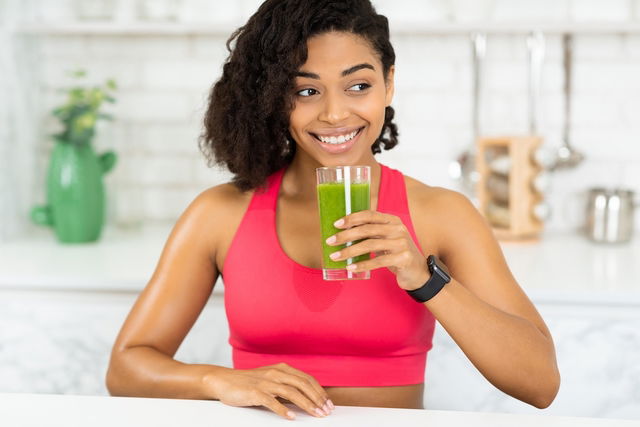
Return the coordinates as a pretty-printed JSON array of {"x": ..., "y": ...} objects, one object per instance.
[{"x": 75, "y": 193}]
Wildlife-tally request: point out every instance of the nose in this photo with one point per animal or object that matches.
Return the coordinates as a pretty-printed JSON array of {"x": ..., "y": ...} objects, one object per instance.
[{"x": 334, "y": 109}]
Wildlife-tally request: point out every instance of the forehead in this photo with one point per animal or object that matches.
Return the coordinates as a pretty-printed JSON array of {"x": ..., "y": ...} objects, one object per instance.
[{"x": 336, "y": 51}]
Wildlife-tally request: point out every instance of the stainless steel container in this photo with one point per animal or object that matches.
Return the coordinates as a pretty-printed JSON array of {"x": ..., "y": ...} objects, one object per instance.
[{"x": 610, "y": 215}]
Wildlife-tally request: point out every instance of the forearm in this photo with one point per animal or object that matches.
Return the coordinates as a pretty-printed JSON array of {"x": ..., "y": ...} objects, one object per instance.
[
  {"x": 510, "y": 351},
  {"x": 146, "y": 372}
]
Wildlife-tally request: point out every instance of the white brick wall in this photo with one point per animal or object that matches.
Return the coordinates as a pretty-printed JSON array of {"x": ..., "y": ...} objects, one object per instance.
[
  {"x": 527, "y": 10},
  {"x": 599, "y": 11},
  {"x": 164, "y": 81}
]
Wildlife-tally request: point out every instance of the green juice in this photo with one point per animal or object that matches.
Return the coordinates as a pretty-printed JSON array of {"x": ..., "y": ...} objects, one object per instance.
[{"x": 331, "y": 202}]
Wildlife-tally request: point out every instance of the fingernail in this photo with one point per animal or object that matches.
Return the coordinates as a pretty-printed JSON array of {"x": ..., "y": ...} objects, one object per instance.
[
  {"x": 339, "y": 222},
  {"x": 331, "y": 240},
  {"x": 319, "y": 412},
  {"x": 351, "y": 267},
  {"x": 335, "y": 255},
  {"x": 326, "y": 409},
  {"x": 331, "y": 405},
  {"x": 291, "y": 415}
]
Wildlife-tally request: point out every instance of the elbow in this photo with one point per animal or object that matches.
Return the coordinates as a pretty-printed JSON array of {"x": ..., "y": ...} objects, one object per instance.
[
  {"x": 113, "y": 380},
  {"x": 545, "y": 397}
]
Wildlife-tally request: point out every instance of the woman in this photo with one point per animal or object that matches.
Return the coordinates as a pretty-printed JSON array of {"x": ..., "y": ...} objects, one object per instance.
[{"x": 309, "y": 84}]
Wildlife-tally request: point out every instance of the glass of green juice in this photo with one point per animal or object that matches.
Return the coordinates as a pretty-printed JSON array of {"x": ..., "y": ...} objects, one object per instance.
[{"x": 342, "y": 190}]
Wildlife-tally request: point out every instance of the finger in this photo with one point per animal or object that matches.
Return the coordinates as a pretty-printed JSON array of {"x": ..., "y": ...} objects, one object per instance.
[
  {"x": 296, "y": 397},
  {"x": 309, "y": 385},
  {"x": 363, "y": 217},
  {"x": 272, "y": 403},
  {"x": 368, "y": 231},
  {"x": 398, "y": 260},
  {"x": 383, "y": 246}
]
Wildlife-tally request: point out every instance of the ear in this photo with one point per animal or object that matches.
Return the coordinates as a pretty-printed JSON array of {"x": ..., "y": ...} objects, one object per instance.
[{"x": 389, "y": 86}]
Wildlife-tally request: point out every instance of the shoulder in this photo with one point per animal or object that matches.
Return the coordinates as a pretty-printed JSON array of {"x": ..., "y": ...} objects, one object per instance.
[
  {"x": 442, "y": 215},
  {"x": 220, "y": 201},
  {"x": 214, "y": 211},
  {"x": 226, "y": 192},
  {"x": 437, "y": 203}
]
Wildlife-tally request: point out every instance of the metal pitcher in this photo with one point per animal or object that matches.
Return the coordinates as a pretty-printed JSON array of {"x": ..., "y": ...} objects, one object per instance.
[{"x": 610, "y": 215}]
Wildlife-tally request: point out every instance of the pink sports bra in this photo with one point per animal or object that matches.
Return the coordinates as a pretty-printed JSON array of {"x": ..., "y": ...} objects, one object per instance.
[{"x": 358, "y": 333}]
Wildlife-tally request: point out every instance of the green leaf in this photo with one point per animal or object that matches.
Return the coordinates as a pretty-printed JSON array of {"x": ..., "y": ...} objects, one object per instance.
[{"x": 81, "y": 110}]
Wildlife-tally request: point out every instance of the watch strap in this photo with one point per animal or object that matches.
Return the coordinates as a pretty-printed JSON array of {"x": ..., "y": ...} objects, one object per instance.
[{"x": 439, "y": 278}]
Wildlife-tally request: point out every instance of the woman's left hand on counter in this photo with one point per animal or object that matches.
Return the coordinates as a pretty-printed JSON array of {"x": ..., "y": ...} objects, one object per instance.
[{"x": 387, "y": 237}]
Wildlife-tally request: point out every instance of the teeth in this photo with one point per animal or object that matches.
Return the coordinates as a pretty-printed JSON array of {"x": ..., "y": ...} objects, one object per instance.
[{"x": 339, "y": 139}]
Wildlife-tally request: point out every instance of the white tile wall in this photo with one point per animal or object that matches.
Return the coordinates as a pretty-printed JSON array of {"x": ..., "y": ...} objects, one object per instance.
[
  {"x": 164, "y": 81},
  {"x": 527, "y": 10},
  {"x": 599, "y": 11}
]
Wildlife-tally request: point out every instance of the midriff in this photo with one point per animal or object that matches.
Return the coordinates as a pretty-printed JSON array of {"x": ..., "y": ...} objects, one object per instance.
[{"x": 406, "y": 396}]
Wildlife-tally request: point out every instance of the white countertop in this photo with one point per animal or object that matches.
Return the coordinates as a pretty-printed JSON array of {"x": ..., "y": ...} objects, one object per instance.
[
  {"x": 559, "y": 268},
  {"x": 122, "y": 260},
  {"x": 37, "y": 410}
]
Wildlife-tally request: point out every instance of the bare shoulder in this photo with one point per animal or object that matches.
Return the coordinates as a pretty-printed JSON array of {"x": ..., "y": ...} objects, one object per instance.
[
  {"x": 441, "y": 214},
  {"x": 213, "y": 206},
  {"x": 219, "y": 210},
  {"x": 437, "y": 203},
  {"x": 227, "y": 194},
  {"x": 432, "y": 196}
]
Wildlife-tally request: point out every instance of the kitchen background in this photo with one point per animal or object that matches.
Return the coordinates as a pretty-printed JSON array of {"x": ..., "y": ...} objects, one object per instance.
[{"x": 165, "y": 55}]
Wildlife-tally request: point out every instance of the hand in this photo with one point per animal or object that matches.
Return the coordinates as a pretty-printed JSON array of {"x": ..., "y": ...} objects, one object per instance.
[
  {"x": 386, "y": 236},
  {"x": 263, "y": 386}
]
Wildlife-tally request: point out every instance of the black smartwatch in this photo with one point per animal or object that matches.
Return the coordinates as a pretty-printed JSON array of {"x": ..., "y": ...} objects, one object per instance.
[{"x": 439, "y": 277}]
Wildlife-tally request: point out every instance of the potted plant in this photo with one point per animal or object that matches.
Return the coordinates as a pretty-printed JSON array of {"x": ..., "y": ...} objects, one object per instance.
[{"x": 75, "y": 191}]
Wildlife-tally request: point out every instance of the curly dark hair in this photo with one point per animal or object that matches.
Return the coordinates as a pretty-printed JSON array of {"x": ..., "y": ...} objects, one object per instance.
[{"x": 247, "y": 119}]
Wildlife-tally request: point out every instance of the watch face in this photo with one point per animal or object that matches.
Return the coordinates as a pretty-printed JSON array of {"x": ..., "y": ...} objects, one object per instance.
[{"x": 439, "y": 268}]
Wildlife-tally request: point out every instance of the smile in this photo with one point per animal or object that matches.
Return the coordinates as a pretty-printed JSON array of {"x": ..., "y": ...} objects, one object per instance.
[
  {"x": 338, "y": 139},
  {"x": 338, "y": 143}
]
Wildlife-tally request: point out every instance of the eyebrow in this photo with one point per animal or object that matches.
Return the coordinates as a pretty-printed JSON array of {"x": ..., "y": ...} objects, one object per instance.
[{"x": 345, "y": 73}]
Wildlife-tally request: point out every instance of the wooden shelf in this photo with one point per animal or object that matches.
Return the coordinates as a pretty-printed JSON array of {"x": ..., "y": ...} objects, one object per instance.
[{"x": 406, "y": 28}]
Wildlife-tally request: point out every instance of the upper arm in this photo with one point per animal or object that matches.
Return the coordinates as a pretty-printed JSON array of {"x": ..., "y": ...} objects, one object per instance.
[
  {"x": 474, "y": 258},
  {"x": 181, "y": 283}
]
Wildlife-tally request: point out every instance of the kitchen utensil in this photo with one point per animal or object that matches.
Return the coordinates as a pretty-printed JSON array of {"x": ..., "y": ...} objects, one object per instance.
[
  {"x": 536, "y": 48},
  {"x": 609, "y": 215},
  {"x": 500, "y": 165},
  {"x": 509, "y": 201},
  {"x": 498, "y": 187},
  {"x": 498, "y": 214},
  {"x": 541, "y": 211},
  {"x": 541, "y": 182},
  {"x": 567, "y": 157},
  {"x": 464, "y": 167}
]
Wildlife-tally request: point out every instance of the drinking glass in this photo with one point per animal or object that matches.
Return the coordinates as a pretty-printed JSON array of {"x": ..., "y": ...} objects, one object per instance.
[{"x": 342, "y": 190}]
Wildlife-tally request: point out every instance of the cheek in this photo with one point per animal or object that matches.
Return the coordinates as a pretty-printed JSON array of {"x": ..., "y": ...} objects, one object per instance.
[
  {"x": 300, "y": 117},
  {"x": 372, "y": 110}
]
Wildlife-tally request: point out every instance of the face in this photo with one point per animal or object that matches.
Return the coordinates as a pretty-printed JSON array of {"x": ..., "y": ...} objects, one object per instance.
[{"x": 339, "y": 101}]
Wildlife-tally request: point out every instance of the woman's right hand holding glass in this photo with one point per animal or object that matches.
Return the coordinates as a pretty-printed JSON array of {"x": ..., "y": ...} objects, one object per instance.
[{"x": 264, "y": 386}]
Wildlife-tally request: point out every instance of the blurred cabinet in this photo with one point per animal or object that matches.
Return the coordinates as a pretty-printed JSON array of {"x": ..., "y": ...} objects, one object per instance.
[
  {"x": 60, "y": 342},
  {"x": 597, "y": 347}
]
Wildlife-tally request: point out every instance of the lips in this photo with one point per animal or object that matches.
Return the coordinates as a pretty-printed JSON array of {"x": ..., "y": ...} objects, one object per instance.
[{"x": 340, "y": 147}]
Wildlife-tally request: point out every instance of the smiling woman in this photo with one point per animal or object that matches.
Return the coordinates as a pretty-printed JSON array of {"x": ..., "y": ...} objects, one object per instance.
[{"x": 309, "y": 84}]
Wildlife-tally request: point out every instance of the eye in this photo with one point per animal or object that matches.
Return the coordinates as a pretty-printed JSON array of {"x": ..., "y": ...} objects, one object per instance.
[
  {"x": 359, "y": 87},
  {"x": 307, "y": 92}
]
